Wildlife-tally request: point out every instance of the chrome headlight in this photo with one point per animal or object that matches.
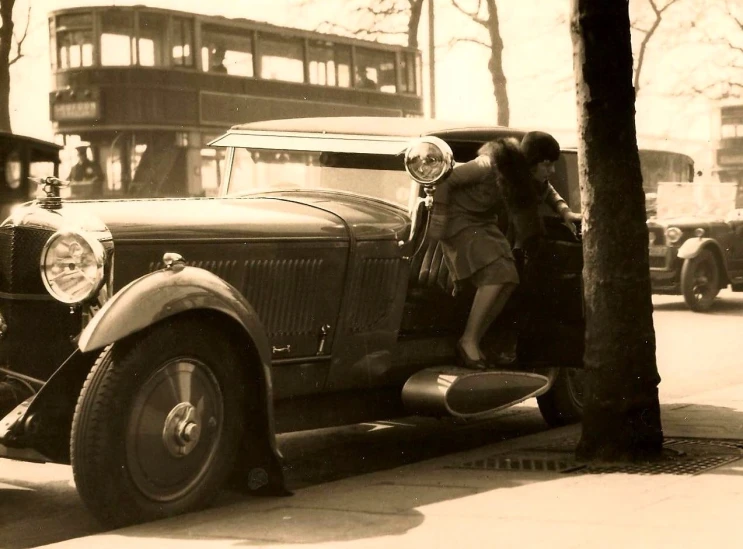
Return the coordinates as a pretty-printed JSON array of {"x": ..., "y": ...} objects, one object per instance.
[
  {"x": 72, "y": 266},
  {"x": 673, "y": 235},
  {"x": 428, "y": 160}
]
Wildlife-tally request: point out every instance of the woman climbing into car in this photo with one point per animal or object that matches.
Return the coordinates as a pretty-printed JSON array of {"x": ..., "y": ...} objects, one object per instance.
[{"x": 475, "y": 248}]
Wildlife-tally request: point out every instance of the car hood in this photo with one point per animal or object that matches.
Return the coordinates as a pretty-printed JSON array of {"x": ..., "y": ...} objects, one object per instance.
[{"x": 243, "y": 218}]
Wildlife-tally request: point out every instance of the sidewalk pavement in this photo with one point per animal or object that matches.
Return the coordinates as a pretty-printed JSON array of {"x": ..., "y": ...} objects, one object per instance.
[{"x": 457, "y": 502}]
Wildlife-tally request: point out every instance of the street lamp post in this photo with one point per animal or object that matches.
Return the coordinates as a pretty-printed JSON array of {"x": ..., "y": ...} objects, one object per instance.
[{"x": 431, "y": 63}]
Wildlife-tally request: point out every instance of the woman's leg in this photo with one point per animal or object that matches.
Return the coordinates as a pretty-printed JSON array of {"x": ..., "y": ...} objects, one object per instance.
[
  {"x": 486, "y": 306},
  {"x": 497, "y": 308}
]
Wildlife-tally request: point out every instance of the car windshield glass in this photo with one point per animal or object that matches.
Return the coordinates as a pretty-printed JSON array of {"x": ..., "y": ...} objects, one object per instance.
[
  {"x": 695, "y": 199},
  {"x": 373, "y": 175}
]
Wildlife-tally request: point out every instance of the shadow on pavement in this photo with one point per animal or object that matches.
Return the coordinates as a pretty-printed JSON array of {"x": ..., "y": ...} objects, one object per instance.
[{"x": 391, "y": 503}]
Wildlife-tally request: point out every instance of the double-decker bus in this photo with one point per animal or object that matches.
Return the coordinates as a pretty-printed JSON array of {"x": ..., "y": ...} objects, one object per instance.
[{"x": 148, "y": 88}]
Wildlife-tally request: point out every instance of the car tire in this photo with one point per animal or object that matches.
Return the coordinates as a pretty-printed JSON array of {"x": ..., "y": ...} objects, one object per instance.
[
  {"x": 700, "y": 281},
  {"x": 563, "y": 403},
  {"x": 158, "y": 424}
]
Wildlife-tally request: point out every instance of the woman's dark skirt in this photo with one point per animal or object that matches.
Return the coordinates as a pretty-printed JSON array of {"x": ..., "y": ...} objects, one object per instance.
[{"x": 482, "y": 254}]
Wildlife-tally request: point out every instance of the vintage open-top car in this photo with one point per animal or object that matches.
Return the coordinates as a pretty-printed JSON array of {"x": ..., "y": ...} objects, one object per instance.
[
  {"x": 696, "y": 242},
  {"x": 158, "y": 345}
]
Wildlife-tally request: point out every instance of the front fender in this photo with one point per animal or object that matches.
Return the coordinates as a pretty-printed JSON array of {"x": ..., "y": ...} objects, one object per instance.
[
  {"x": 161, "y": 294},
  {"x": 693, "y": 246},
  {"x": 170, "y": 291}
]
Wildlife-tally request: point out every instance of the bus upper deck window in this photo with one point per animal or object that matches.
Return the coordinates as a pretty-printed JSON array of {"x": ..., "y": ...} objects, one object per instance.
[
  {"x": 226, "y": 51},
  {"x": 282, "y": 59},
  {"x": 117, "y": 37},
  {"x": 343, "y": 65},
  {"x": 151, "y": 40},
  {"x": 182, "y": 54},
  {"x": 408, "y": 71},
  {"x": 377, "y": 68},
  {"x": 322, "y": 64},
  {"x": 74, "y": 40}
]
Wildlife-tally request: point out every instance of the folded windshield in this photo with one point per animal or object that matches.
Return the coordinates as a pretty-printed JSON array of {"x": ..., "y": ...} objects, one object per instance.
[{"x": 379, "y": 176}]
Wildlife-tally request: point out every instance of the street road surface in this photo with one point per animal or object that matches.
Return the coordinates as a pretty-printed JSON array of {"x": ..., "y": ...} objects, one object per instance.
[{"x": 696, "y": 352}]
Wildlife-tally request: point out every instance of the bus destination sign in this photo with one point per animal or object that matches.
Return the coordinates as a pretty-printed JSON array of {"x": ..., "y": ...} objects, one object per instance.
[{"x": 79, "y": 110}]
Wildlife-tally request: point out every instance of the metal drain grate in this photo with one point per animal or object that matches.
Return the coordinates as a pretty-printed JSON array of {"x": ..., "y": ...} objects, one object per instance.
[
  {"x": 679, "y": 466},
  {"x": 681, "y": 457},
  {"x": 518, "y": 463}
]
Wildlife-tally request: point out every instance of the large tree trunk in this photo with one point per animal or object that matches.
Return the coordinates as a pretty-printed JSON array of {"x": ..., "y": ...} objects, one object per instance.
[
  {"x": 621, "y": 411},
  {"x": 495, "y": 65},
  {"x": 6, "y": 41}
]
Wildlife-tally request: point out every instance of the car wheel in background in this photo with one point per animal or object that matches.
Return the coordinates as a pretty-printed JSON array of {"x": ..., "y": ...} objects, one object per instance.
[
  {"x": 700, "y": 281},
  {"x": 158, "y": 424},
  {"x": 563, "y": 403}
]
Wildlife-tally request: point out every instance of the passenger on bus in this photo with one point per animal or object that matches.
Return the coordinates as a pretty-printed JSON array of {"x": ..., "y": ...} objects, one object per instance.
[
  {"x": 85, "y": 177},
  {"x": 217, "y": 60},
  {"x": 363, "y": 81}
]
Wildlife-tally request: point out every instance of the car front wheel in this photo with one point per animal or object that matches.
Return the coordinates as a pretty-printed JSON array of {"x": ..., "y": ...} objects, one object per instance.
[
  {"x": 158, "y": 423},
  {"x": 563, "y": 403},
  {"x": 700, "y": 281}
]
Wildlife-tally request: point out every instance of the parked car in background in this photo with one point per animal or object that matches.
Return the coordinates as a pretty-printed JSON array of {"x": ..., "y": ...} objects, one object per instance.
[
  {"x": 659, "y": 166},
  {"x": 164, "y": 342},
  {"x": 22, "y": 159},
  {"x": 696, "y": 242}
]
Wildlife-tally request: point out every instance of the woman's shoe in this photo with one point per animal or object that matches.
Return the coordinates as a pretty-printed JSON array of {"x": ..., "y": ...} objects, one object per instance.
[{"x": 466, "y": 362}]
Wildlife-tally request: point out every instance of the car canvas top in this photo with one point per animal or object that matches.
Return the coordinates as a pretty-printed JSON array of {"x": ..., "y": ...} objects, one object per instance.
[{"x": 369, "y": 135}]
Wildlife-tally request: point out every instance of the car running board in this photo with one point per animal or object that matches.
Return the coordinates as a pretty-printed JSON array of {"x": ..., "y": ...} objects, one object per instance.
[{"x": 469, "y": 394}]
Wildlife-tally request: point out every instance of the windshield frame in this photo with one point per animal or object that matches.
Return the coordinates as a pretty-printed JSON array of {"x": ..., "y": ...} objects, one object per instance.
[{"x": 313, "y": 143}]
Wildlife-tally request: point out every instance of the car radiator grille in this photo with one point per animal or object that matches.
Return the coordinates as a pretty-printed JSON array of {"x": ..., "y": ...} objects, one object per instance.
[
  {"x": 20, "y": 251},
  {"x": 658, "y": 262}
]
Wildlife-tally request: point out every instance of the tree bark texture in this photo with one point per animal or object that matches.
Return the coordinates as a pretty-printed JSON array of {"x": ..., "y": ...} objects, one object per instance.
[
  {"x": 495, "y": 65},
  {"x": 416, "y": 8},
  {"x": 621, "y": 411},
  {"x": 6, "y": 42}
]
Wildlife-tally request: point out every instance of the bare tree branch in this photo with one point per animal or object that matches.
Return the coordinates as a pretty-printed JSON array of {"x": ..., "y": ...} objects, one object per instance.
[
  {"x": 658, "y": 18},
  {"x": 459, "y": 40},
  {"x": 20, "y": 39},
  {"x": 473, "y": 15}
]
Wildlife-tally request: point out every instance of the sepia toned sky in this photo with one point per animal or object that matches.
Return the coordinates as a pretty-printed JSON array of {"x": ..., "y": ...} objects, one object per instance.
[{"x": 537, "y": 58}]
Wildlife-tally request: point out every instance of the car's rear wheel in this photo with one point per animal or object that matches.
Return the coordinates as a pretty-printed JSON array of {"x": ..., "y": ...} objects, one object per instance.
[
  {"x": 158, "y": 424},
  {"x": 563, "y": 403},
  {"x": 700, "y": 281}
]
